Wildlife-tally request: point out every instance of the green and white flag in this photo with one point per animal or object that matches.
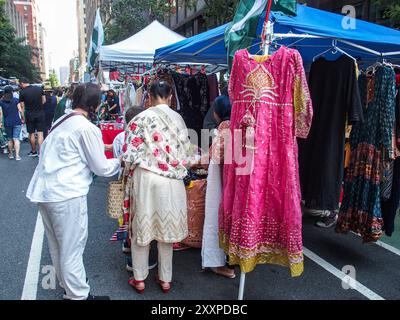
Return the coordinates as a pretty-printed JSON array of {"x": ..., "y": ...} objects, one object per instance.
[
  {"x": 96, "y": 41},
  {"x": 242, "y": 31}
]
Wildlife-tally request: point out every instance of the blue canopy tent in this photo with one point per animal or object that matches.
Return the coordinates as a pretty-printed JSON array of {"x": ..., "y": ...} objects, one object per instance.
[{"x": 311, "y": 32}]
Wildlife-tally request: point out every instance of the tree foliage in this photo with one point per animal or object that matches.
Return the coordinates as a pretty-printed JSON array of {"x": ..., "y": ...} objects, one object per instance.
[
  {"x": 127, "y": 17},
  {"x": 15, "y": 56},
  {"x": 219, "y": 12},
  {"x": 53, "y": 80},
  {"x": 391, "y": 11}
]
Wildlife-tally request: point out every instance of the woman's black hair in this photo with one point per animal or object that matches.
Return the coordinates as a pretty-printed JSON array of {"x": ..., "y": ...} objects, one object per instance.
[
  {"x": 223, "y": 107},
  {"x": 87, "y": 97},
  {"x": 8, "y": 94},
  {"x": 131, "y": 113},
  {"x": 160, "y": 89}
]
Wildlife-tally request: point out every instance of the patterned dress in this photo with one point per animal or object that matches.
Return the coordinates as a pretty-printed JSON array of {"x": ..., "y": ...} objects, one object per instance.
[
  {"x": 156, "y": 153},
  {"x": 369, "y": 141},
  {"x": 260, "y": 213}
]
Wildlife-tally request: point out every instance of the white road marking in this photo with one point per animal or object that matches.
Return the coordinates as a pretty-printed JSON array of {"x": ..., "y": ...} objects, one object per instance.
[
  {"x": 32, "y": 272},
  {"x": 383, "y": 245},
  {"x": 342, "y": 276},
  {"x": 388, "y": 247}
]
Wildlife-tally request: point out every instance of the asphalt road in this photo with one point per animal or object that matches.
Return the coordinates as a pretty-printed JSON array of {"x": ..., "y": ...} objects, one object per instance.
[{"x": 376, "y": 268}]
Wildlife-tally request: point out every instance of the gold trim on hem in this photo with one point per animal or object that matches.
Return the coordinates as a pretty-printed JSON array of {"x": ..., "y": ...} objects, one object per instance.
[{"x": 248, "y": 264}]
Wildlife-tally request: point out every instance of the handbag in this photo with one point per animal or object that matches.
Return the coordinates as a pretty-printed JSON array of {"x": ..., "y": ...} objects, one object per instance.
[{"x": 115, "y": 198}]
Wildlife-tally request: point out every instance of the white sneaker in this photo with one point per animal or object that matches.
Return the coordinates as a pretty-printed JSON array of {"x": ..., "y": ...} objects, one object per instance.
[{"x": 18, "y": 158}]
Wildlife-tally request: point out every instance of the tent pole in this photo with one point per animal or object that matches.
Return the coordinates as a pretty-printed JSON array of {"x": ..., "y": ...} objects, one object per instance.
[
  {"x": 296, "y": 35},
  {"x": 267, "y": 34},
  {"x": 209, "y": 46},
  {"x": 360, "y": 47},
  {"x": 241, "y": 286},
  {"x": 395, "y": 53}
]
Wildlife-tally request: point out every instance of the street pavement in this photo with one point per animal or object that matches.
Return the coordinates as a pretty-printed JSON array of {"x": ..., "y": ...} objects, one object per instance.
[{"x": 25, "y": 258}]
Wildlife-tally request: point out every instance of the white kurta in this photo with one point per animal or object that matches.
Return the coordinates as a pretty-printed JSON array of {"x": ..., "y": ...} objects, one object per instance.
[
  {"x": 69, "y": 157},
  {"x": 212, "y": 255}
]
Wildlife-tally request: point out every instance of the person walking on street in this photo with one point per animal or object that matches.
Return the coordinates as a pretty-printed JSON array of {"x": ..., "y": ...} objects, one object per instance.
[
  {"x": 49, "y": 110},
  {"x": 32, "y": 99},
  {"x": 72, "y": 152},
  {"x": 12, "y": 113},
  {"x": 65, "y": 103}
]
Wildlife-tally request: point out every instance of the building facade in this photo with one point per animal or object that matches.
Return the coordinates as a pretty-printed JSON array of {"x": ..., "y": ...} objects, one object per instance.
[
  {"x": 366, "y": 10},
  {"x": 74, "y": 70},
  {"x": 35, "y": 33},
  {"x": 42, "y": 54},
  {"x": 64, "y": 75},
  {"x": 187, "y": 21},
  {"x": 16, "y": 20},
  {"x": 86, "y": 13}
]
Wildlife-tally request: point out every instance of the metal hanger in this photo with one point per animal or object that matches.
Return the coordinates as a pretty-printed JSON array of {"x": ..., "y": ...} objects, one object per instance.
[{"x": 334, "y": 49}]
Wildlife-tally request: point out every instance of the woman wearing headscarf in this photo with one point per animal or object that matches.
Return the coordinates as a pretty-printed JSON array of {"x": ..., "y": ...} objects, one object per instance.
[
  {"x": 156, "y": 155},
  {"x": 213, "y": 257}
]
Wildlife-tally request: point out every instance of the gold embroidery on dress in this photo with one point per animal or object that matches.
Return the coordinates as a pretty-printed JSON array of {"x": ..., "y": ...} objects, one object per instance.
[{"x": 259, "y": 84}]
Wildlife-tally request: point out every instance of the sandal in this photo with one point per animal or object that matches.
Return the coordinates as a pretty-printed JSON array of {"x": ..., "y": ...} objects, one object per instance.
[
  {"x": 223, "y": 271},
  {"x": 134, "y": 283},
  {"x": 163, "y": 285}
]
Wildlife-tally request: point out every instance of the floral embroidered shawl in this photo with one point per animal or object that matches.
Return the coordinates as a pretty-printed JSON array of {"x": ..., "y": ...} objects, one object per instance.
[{"x": 157, "y": 140}]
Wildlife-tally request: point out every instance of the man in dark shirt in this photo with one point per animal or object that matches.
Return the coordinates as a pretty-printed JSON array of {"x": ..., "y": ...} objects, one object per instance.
[{"x": 32, "y": 99}]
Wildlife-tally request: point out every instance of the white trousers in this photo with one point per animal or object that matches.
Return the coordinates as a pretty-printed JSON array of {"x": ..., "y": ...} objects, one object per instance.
[
  {"x": 140, "y": 261},
  {"x": 212, "y": 255},
  {"x": 66, "y": 225}
]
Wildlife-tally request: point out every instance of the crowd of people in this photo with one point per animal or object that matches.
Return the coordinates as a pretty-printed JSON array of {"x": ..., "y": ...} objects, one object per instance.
[
  {"x": 152, "y": 155},
  {"x": 27, "y": 113}
]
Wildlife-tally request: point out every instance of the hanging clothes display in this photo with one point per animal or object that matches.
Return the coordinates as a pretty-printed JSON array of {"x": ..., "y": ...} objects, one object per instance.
[
  {"x": 361, "y": 207},
  {"x": 260, "y": 213},
  {"x": 391, "y": 206},
  {"x": 194, "y": 101},
  {"x": 213, "y": 87},
  {"x": 336, "y": 98}
]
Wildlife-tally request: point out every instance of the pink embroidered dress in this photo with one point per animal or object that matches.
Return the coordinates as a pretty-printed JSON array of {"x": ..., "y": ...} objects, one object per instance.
[{"x": 260, "y": 212}]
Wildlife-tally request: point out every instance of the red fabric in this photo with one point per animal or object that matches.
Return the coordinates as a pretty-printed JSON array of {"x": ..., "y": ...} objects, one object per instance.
[{"x": 108, "y": 138}]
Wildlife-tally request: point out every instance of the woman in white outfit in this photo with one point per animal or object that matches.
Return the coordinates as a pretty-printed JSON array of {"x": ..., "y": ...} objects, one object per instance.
[
  {"x": 213, "y": 257},
  {"x": 157, "y": 148},
  {"x": 70, "y": 155}
]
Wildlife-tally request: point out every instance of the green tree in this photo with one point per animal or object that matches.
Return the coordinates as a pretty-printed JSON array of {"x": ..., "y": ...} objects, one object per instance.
[
  {"x": 54, "y": 82},
  {"x": 15, "y": 56},
  {"x": 391, "y": 11},
  {"x": 218, "y": 12},
  {"x": 127, "y": 17}
]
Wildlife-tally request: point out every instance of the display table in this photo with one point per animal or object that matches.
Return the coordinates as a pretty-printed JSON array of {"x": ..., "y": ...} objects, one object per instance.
[{"x": 109, "y": 132}]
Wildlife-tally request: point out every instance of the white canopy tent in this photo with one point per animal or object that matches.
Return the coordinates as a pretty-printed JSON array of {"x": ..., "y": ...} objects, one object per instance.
[{"x": 138, "y": 49}]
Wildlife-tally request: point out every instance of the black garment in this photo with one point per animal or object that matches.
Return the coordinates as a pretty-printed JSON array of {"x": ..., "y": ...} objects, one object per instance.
[
  {"x": 390, "y": 207},
  {"x": 35, "y": 122},
  {"x": 32, "y": 97},
  {"x": 111, "y": 102},
  {"x": 193, "y": 95},
  {"x": 49, "y": 110},
  {"x": 209, "y": 122},
  {"x": 335, "y": 96},
  {"x": 398, "y": 117}
]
